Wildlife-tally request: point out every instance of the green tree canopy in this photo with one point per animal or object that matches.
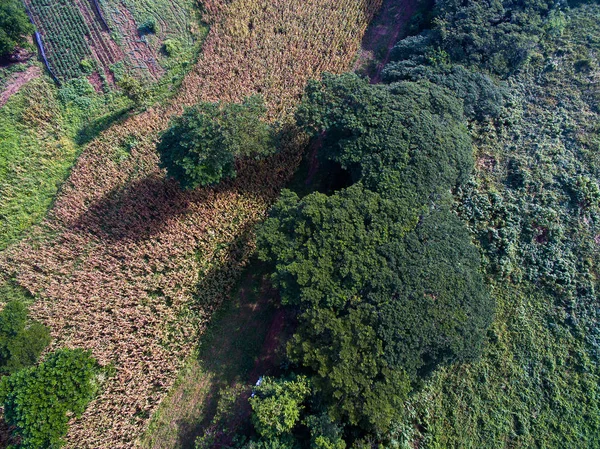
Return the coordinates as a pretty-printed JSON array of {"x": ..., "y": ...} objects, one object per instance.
[
  {"x": 382, "y": 299},
  {"x": 21, "y": 341},
  {"x": 277, "y": 404},
  {"x": 496, "y": 35},
  {"x": 201, "y": 146},
  {"x": 37, "y": 400},
  {"x": 407, "y": 139},
  {"x": 384, "y": 277},
  {"x": 14, "y": 26}
]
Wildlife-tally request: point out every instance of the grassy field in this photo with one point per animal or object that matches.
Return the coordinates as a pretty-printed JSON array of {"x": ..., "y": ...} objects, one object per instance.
[
  {"x": 39, "y": 129},
  {"x": 124, "y": 269}
]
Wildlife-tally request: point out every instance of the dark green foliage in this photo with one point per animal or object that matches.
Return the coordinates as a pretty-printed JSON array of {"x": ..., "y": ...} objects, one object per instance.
[
  {"x": 324, "y": 432},
  {"x": 378, "y": 302},
  {"x": 481, "y": 97},
  {"x": 385, "y": 278},
  {"x": 201, "y": 146},
  {"x": 439, "y": 305},
  {"x": 21, "y": 342},
  {"x": 406, "y": 138},
  {"x": 496, "y": 35},
  {"x": 148, "y": 26},
  {"x": 14, "y": 26},
  {"x": 38, "y": 400}
]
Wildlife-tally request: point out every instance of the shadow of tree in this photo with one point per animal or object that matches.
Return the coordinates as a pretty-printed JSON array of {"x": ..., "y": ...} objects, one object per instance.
[
  {"x": 91, "y": 130},
  {"x": 231, "y": 349},
  {"x": 5, "y": 435},
  {"x": 145, "y": 207},
  {"x": 136, "y": 212}
]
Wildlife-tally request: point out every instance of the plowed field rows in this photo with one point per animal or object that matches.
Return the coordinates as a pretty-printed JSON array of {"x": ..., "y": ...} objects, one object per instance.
[{"x": 71, "y": 32}]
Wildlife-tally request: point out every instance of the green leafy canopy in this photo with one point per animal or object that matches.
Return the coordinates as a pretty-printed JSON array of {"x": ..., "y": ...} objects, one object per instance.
[{"x": 201, "y": 146}]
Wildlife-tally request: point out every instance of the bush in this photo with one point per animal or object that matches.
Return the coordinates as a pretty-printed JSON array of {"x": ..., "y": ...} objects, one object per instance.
[
  {"x": 148, "y": 26},
  {"x": 277, "y": 404},
  {"x": 87, "y": 66},
  {"x": 172, "y": 47},
  {"x": 38, "y": 401}
]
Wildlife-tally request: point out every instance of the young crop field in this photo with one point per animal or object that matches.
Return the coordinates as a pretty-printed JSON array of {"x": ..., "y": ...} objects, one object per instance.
[
  {"x": 110, "y": 33},
  {"x": 130, "y": 266},
  {"x": 176, "y": 22},
  {"x": 71, "y": 33}
]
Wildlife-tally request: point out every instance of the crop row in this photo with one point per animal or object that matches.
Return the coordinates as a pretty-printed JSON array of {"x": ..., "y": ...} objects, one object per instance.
[{"x": 64, "y": 34}]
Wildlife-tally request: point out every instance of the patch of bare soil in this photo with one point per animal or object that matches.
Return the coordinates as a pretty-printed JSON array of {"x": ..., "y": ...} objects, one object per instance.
[{"x": 17, "y": 81}]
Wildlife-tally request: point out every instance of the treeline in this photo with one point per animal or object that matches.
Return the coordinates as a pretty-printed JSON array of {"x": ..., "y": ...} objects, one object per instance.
[{"x": 382, "y": 275}]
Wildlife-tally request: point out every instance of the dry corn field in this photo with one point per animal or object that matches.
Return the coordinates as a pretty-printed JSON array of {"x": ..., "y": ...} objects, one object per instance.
[{"x": 129, "y": 266}]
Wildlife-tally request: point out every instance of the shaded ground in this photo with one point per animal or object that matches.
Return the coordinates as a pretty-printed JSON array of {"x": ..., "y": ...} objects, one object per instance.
[
  {"x": 17, "y": 81},
  {"x": 242, "y": 343}
]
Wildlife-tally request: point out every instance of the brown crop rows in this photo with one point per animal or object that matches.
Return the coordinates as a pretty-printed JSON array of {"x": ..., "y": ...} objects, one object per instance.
[{"x": 127, "y": 264}]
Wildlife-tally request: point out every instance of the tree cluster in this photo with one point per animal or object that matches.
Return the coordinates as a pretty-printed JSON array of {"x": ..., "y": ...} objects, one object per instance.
[
  {"x": 38, "y": 401},
  {"x": 384, "y": 276},
  {"x": 14, "y": 26}
]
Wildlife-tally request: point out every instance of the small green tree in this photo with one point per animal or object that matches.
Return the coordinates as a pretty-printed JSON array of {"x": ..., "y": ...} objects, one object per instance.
[
  {"x": 277, "y": 404},
  {"x": 37, "y": 400},
  {"x": 14, "y": 26},
  {"x": 21, "y": 342},
  {"x": 201, "y": 146},
  {"x": 133, "y": 89}
]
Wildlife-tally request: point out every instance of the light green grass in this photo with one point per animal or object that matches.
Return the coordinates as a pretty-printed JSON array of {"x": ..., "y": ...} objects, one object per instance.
[{"x": 39, "y": 127}]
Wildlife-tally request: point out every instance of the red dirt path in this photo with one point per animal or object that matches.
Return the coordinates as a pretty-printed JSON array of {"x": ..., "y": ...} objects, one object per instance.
[
  {"x": 383, "y": 33},
  {"x": 19, "y": 80}
]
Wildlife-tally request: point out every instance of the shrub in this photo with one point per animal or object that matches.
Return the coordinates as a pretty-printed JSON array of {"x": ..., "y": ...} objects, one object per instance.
[
  {"x": 172, "y": 47},
  {"x": 276, "y": 405},
  {"x": 148, "y": 26},
  {"x": 87, "y": 66}
]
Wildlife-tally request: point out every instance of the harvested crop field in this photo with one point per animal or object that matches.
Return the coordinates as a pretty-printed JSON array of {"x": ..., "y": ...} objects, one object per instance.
[{"x": 129, "y": 266}]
